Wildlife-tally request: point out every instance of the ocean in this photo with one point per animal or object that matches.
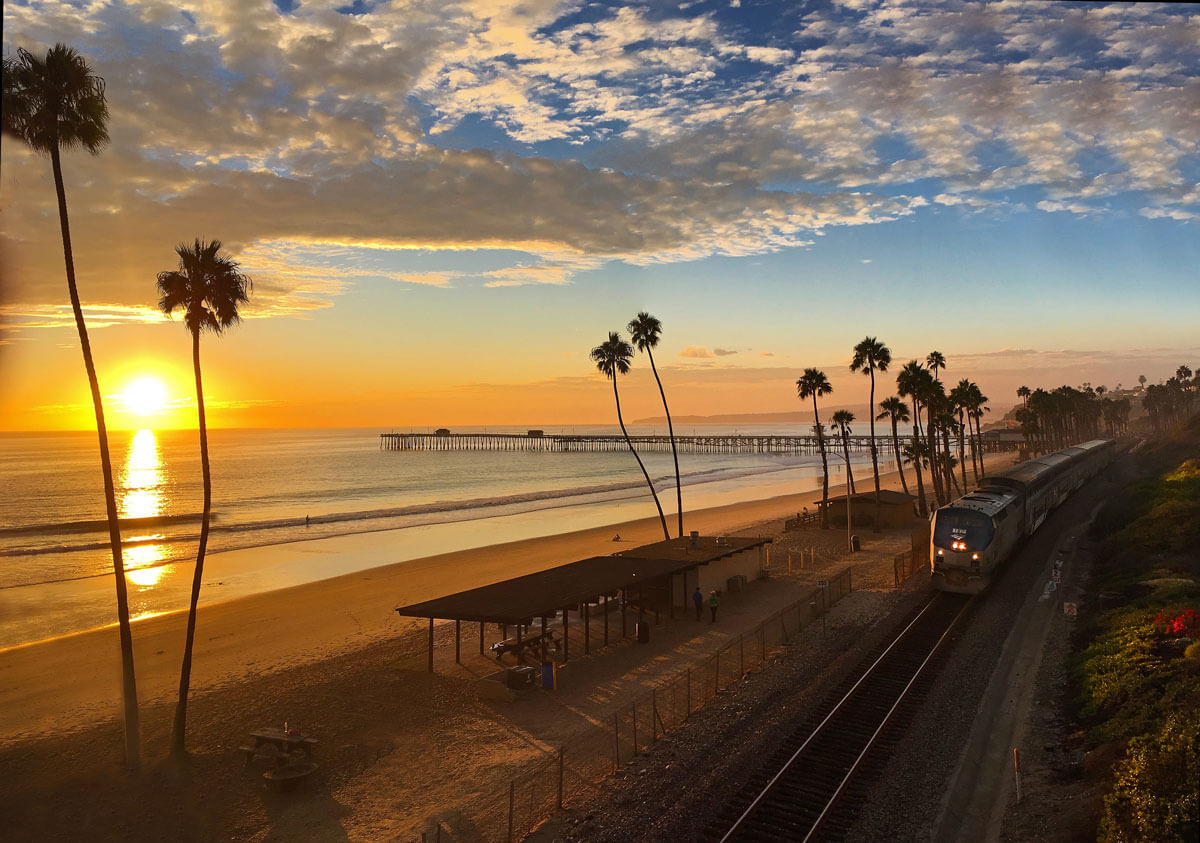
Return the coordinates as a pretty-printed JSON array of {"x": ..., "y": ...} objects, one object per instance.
[{"x": 305, "y": 488}]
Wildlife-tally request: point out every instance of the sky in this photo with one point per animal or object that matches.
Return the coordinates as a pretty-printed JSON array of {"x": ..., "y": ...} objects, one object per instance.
[{"x": 445, "y": 205}]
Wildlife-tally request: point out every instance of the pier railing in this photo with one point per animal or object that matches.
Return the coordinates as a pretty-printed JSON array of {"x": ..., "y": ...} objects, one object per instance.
[{"x": 734, "y": 444}]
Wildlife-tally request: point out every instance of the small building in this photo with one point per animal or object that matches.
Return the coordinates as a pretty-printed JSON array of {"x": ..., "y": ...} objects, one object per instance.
[
  {"x": 896, "y": 509},
  {"x": 442, "y": 431},
  {"x": 536, "y": 433}
]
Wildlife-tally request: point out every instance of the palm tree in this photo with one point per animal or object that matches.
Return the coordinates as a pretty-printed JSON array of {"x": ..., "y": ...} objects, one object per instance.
[
  {"x": 908, "y": 383},
  {"x": 976, "y": 409},
  {"x": 841, "y": 420},
  {"x": 916, "y": 452},
  {"x": 51, "y": 104},
  {"x": 813, "y": 384},
  {"x": 894, "y": 408},
  {"x": 612, "y": 359},
  {"x": 935, "y": 360},
  {"x": 869, "y": 355},
  {"x": 1023, "y": 392},
  {"x": 209, "y": 289},
  {"x": 645, "y": 330},
  {"x": 960, "y": 402}
]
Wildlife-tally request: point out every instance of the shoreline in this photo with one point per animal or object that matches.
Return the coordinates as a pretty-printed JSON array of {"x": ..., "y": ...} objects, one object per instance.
[{"x": 74, "y": 680}]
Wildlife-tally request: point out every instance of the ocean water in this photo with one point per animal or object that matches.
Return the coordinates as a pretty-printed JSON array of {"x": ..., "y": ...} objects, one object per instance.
[{"x": 302, "y": 489}]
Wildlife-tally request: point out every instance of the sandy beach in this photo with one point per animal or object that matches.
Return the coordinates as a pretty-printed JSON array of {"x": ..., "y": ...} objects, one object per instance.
[{"x": 334, "y": 656}]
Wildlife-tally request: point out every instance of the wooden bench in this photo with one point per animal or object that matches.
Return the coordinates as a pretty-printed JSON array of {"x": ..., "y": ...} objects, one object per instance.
[
  {"x": 290, "y": 775},
  {"x": 264, "y": 752}
]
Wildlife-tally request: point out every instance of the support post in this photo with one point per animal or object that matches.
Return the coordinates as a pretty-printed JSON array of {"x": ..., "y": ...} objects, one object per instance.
[
  {"x": 457, "y": 641},
  {"x": 566, "y": 637},
  {"x": 587, "y": 629},
  {"x": 606, "y": 620},
  {"x": 481, "y": 638},
  {"x": 431, "y": 645}
]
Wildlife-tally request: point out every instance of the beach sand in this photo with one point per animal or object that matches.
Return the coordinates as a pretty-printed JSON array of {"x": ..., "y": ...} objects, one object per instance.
[{"x": 398, "y": 744}]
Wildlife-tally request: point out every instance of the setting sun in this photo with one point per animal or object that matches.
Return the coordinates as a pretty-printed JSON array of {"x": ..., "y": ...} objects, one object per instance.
[{"x": 146, "y": 396}]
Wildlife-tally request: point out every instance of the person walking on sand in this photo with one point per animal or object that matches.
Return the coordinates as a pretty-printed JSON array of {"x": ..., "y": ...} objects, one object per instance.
[
  {"x": 698, "y": 600},
  {"x": 713, "y": 602}
]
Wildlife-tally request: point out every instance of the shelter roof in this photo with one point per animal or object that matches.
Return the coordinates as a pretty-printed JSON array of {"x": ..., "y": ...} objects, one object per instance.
[
  {"x": 543, "y": 593},
  {"x": 888, "y": 497}
]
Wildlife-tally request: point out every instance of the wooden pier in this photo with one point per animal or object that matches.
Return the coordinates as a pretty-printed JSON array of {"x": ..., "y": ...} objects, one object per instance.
[{"x": 558, "y": 443}]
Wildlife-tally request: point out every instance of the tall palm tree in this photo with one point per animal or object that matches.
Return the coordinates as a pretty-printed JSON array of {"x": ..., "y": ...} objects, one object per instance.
[
  {"x": 209, "y": 289},
  {"x": 935, "y": 360},
  {"x": 841, "y": 420},
  {"x": 894, "y": 408},
  {"x": 1023, "y": 392},
  {"x": 814, "y": 384},
  {"x": 50, "y": 104},
  {"x": 908, "y": 383},
  {"x": 960, "y": 403},
  {"x": 978, "y": 406},
  {"x": 645, "y": 330},
  {"x": 870, "y": 354},
  {"x": 612, "y": 358}
]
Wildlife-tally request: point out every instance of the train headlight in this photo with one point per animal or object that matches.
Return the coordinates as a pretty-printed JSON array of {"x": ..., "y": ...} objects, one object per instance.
[
  {"x": 975, "y": 556},
  {"x": 941, "y": 552}
]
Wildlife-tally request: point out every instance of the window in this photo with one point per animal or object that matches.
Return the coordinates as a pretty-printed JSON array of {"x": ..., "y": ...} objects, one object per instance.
[{"x": 954, "y": 525}]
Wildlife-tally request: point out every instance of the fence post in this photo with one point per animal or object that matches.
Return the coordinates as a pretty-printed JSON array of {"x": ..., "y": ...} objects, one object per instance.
[
  {"x": 512, "y": 795},
  {"x": 653, "y": 715},
  {"x": 633, "y": 705},
  {"x": 560, "y": 777},
  {"x": 616, "y": 741}
]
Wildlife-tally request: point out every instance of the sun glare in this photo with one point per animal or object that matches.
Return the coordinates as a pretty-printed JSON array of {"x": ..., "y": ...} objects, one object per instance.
[{"x": 145, "y": 396}]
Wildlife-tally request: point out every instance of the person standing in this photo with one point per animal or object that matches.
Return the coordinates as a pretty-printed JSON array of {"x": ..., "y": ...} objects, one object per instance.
[
  {"x": 713, "y": 602},
  {"x": 698, "y": 601}
]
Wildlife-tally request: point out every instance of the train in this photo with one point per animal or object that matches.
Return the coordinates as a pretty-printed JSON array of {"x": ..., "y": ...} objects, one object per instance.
[{"x": 972, "y": 537}]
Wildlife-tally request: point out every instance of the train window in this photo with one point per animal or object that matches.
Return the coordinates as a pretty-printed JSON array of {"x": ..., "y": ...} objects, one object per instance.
[{"x": 962, "y": 525}]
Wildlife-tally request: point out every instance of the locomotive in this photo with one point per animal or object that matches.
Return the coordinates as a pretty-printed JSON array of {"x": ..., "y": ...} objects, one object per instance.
[{"x": 973, "y": 536}]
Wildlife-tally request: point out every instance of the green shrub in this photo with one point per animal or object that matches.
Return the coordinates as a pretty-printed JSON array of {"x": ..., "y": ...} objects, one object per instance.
[{"x": 1154, "y": 796}]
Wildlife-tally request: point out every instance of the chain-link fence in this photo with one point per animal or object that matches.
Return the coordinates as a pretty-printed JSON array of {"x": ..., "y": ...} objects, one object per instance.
[{"x": 579, "y": 767}]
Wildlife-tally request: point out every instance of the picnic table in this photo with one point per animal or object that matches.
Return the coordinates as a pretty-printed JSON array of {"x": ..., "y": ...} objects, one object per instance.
[
  {"x": 535, "y": 641},
  {"x": 282, "y": 745}
]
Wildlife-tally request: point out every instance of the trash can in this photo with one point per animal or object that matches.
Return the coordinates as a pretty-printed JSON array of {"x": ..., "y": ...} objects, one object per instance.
[
  {"x": 854, "y": 545},
  {"x": 548, "y": 677},
  {"x": 643, "y": 632}
]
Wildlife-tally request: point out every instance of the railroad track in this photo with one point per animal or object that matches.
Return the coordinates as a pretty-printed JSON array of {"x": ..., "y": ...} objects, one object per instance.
[{"x": 827, "y": 764}]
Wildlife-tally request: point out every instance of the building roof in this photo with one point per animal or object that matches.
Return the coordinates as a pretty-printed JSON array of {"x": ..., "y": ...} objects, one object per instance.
[
  {"x": 542, "y": 594},
  {"x": 887, "y": 497}
]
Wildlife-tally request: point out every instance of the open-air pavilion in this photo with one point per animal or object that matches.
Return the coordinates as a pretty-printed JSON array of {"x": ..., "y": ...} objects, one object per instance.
[{"x": 645, "y": 579}]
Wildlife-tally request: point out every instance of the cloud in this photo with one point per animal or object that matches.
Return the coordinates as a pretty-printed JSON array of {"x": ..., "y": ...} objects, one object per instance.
[
  {"x": 615, "y": 134},
  {"x": 766, "y": 354},
  {"x": 696, "y": 352},
  {"x": 722, "y": 352}
]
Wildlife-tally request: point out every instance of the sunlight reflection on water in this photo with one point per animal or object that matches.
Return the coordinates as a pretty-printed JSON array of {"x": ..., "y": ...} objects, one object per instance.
[{"x": 143, "y": 497}]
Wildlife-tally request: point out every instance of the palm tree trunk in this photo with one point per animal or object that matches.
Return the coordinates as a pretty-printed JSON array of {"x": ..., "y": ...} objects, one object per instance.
[
  {"x": 962, "y": 450},
  {"x": 922, "y": 506},
  {"x": 849, "y": 473},
  {"x": 646, "y": 474},
  {"x": 671, "y": 433},
  {"x": 934, "y": 469},
  {"x": 824, "y": 468},
  {"x": 125, "y": 633},
  {"x": 178, "y": 745},
  {"x": 874, "y": 455},
  {"x": 899, "y": 460}
]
